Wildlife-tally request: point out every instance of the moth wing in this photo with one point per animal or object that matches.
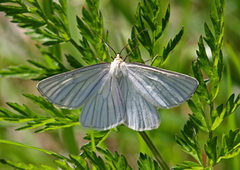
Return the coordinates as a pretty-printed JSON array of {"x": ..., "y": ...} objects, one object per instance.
[
  {"x": 105, "y": 109},
  {"x": 163, "y": 88},
  {"x": 71, "y": 89},
  {"x": 141, "y": 114}
]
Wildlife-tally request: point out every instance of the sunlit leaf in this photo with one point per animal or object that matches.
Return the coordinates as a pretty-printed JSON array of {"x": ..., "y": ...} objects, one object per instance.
[
  {"x": 203, "y": 58},
  {"x": 118, "y": 161},
  {"x": 22, "y": 166},
  {"x": 72, "y": 61},
  {"x": 56, "y": 120},
  {"x": 189, "y": 141},
  {"x": 222, "y": 113},
  {"x": 188, "y": 165},
  {"x": 161, "y": 28},
  {"x": 22, "y": 71},
  {"x": 95, "y": 160},
  {"x": 35, "y": 148},
  {"x": 202, "y": 90},
  {"x": 99, "y": 136},
  {"x": 79, "y": 162},
  {"x": 135, "y": 54},
  {"x": 211, "y": 150},
  {"x": 146, "y": 162},
  {"x": 163, "y": 56},
  {"x": 198, "y": 116},
  {"x": 45, "y": 105},
  {"x": 63, "y": 165},
  {"x": 230, "y": 145}
]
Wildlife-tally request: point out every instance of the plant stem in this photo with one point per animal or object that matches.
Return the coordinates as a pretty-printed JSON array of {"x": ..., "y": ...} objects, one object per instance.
[
  {"x": 154, "y": 151},
  {"x": 93, "y": 141},
  {"x": 68, "y": 137},
  {"x": 93, "y": 146},
  {"x": 69, "y": 140}
]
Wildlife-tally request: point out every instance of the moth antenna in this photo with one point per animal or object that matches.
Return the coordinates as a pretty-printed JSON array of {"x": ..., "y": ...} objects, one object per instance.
[
  {"x": 99, "y": 60},
  {"x": 105, "y": 44},
  {"x": 130, "y": 52},
  {"x": 147, "y": 61},
  {"x": 132, "y": 40}
]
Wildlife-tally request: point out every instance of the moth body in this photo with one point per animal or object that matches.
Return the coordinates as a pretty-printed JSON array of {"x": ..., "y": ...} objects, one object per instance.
[{"x": 118, "y": 67}]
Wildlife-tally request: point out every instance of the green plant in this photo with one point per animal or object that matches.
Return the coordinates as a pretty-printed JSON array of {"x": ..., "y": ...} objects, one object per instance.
[{"x": 51, "y": 27}]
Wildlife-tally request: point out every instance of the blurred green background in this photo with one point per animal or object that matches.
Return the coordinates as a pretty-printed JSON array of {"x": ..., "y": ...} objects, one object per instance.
[{"x": 16, "y": 48}]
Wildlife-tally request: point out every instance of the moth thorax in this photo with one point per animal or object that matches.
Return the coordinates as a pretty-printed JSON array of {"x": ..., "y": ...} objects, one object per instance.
[{"x": 118, "y": 68}]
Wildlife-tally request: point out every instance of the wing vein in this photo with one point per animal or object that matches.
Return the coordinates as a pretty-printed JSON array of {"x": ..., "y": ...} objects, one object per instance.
[
  {"x": 114, "y": 107},
  {"x": 88, "y": 92},
  {"x": 87, "y": 110},
  {"x": 140, "y": 83},
  {"x": 169, "y": 84},
  {"x": 94, "y": 106}
]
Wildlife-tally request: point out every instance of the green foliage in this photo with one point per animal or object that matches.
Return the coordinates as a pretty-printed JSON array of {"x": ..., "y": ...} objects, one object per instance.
[
  {"x": 118, "y": 161},
  {"x": 79, "y": 162},
  {"x": 53, "y": 29},
  {"x": 230, "y": 145},
  {"x": 94, "y": 21},
  {"x": 36, "y": 22},
  {"x": 35, "y": 148},
  {"x": 198, "y": 116},
  {"x": 159, "y": 60},
  {"x": 49, "y": 37},
  {"x": 40, "y": 70},
  {"x": 54, "y": 120},
  {"x": 72, "y": 61},
  {"x": 99, "y": 136},
  {"x": 21, "y": 166},
  {"x": 148, "y": 17},
  {"x": 134, "y": 53},
  {"x": 146, "y": 162},
  {"x": 214, "y": 71},
  {"x": 95, "y": 160},
  {"x": 211, "y": 150},
  {"x": 190, "y": 142},
  {"x": 221, "y": 113},
  {"x": 202, "y": 90},
  {"x": 188, "y": 165},
  {"x": 149, "y": 11}
]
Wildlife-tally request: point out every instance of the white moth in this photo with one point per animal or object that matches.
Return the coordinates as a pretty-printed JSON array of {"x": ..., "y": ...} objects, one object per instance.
[{"x": 118, "y": 93}]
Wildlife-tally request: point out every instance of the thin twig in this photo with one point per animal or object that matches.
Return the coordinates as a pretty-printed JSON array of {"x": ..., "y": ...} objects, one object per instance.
[{"x": 154, "y": 151}]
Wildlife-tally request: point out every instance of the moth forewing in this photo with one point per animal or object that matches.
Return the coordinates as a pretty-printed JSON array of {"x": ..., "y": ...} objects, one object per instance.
[
  {"x": 165, "y": 89},
  {"x": 71, "y": 89}
]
